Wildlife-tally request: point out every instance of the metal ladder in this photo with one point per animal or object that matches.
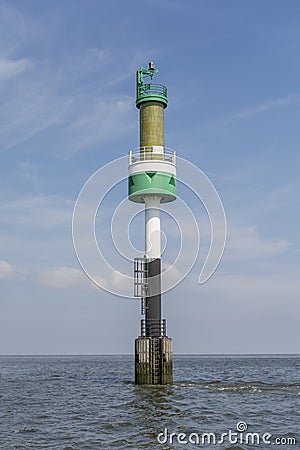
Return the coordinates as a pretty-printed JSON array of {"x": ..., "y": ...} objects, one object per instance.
[
  {"x": 141, "y": 280},
  {"x": 156, "y": 375}
]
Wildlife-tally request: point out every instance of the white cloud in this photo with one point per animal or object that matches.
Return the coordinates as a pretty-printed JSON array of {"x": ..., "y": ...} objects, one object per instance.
[
  {"x": 6, "y": 270},
  {"x": 102, "y": 121},
  {"x": 268, "y": 105},
  {"x": 101, "y": 54},
  {"x": 62, "y": 277},
  {"x": 36, "y": 211},
  {"x": 10, "y": 68},
  {"x": 44, "y": 100},
  {"x": 282, "y": 196},
  {"x": 244, "y": 243},
  {"x": 12, "y": 28},
  {"x": 276, "y": 289},
  {"x": 35, "y": 228},
  {"x": 171, "y": 273},
  {"x": 51, "y": 96}
]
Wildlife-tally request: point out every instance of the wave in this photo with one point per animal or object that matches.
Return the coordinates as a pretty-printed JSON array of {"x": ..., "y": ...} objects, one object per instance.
[{"x": 258, "y": 386}]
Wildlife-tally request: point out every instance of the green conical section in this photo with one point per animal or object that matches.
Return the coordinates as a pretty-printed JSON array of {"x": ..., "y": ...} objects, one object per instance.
[{"x": 141, "y": 183}]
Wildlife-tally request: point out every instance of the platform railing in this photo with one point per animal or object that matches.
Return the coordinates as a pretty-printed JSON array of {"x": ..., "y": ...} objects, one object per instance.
[
  {"x": 149, "y": 89},
  {"x": 152, "y": 153}
]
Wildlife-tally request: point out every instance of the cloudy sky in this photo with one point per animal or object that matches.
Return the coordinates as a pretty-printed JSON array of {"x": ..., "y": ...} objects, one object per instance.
[{"x": 67, "y": 86}]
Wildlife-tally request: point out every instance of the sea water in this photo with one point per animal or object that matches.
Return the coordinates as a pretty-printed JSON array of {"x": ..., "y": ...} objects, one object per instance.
[{"x": 91, "y": 402}]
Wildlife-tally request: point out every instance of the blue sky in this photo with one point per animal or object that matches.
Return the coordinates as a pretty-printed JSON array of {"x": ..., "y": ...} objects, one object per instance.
[{"x": 67, "y": 86}]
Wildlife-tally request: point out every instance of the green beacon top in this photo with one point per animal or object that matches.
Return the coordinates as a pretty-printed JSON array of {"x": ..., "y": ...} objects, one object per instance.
[{"x": 146, "y": 92}]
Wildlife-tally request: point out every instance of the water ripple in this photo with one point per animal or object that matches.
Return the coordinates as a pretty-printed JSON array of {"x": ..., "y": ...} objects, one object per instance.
[{"x": 84, "y": 403}]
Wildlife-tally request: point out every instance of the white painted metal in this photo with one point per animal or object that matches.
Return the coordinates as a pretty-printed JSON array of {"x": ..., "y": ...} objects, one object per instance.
[
  {"x": 158, "y": 149},
  {"x": 152, "y": 166},
  {"x": 152, "y": 226},
  {"x": 148, "y": 154}
]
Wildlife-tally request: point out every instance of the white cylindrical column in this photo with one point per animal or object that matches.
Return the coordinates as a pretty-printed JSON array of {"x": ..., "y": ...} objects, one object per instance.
[{"x": 152, "y": 226}]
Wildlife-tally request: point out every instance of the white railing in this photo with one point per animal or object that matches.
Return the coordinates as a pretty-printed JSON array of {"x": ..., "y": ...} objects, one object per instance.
[{"x": 152, "y": 153}]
